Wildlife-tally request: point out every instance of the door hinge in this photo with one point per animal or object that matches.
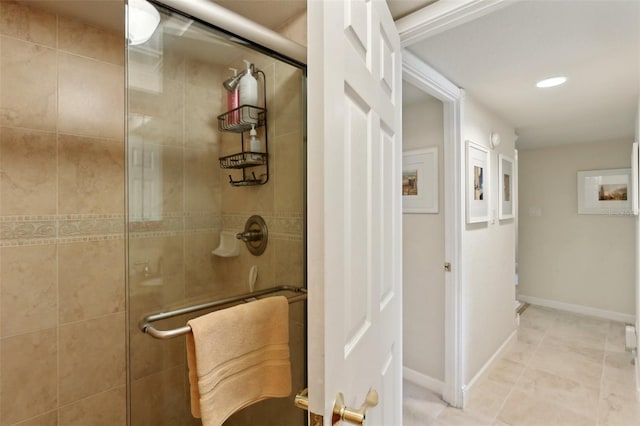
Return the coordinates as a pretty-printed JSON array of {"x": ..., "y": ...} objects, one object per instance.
[{"x": 447, "y": 266}]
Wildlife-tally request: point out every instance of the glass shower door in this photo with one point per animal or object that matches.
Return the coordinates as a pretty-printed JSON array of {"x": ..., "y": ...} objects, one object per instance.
[{"x": 180, "y": 202}]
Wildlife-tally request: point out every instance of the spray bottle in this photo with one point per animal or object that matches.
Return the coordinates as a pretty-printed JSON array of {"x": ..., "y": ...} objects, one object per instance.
[{"x": 254, "y": 145}]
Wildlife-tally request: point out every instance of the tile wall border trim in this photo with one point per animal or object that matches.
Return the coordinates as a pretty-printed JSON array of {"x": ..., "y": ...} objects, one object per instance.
[{"x": 20, "y": 230}]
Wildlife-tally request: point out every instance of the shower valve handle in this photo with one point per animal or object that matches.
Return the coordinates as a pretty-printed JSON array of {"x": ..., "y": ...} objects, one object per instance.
[{"x": 249, "y": 236}]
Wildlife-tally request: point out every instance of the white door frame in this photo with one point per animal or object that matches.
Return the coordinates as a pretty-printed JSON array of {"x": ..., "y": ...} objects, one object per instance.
[
  {"x": 427, "y": 79},
  {"x": 441, "y": 16}
]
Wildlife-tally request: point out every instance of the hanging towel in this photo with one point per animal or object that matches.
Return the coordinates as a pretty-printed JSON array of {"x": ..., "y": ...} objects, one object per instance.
[{"x": 237, "y": 357}]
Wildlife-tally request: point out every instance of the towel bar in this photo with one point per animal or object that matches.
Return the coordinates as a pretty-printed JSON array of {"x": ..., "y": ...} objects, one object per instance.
[{"x": 146, "y": 327}]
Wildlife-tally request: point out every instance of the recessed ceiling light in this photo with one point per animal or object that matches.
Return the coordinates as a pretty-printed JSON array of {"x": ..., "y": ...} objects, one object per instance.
[{"x": 551, "y": 82}]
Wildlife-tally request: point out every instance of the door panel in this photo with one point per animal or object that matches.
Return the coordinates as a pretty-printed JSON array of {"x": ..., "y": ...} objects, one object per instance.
[
  {"x": 357, "y": 26},
  {"x": 355, "y": 207}
]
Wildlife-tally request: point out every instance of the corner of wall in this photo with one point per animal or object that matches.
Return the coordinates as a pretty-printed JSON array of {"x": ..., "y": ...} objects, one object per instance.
[{"x": 468, "y": 389}]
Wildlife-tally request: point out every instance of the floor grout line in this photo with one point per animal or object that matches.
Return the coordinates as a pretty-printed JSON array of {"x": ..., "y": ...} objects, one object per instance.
[
  {"x": 526, "y": 366},
  {"x": 550, "y": 324},
  {"x": 604, "y": 358}
]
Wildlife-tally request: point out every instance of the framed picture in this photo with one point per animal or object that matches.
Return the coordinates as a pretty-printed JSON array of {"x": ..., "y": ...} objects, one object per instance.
[
  {"x": 477, "y": 183},
  {"x": 420, "y": 181},
  {"x": 507, "y": 187},
  {"x": 605, "y": 192}
]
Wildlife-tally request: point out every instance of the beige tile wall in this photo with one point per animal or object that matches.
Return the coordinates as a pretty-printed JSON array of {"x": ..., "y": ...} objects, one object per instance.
[{"x": 62, "y": 292}]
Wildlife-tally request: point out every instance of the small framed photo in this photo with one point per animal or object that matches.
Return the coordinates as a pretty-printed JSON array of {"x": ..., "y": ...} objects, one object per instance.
[
  {"x": 477, "y": 183},
  {"x": 605, "y": 192},
  {"x": 420, "y": 181},
  {"x": 507, "y": 187}
]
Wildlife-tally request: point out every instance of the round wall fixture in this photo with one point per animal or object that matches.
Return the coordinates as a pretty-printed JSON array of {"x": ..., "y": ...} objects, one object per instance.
[
  {"x": 494, "y": 139},
  {"x": 143, "y": 19},
  {"x": 255, "y": 235}
]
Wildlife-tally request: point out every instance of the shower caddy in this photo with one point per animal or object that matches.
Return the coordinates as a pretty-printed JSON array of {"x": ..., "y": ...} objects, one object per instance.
[{"x": 240, "y": 120}]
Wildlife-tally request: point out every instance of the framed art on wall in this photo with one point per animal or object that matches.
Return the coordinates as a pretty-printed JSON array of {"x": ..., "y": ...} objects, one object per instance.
[
  {"x": 605, "y": 192},
  {"x": 420, "y": 181},
  {"x": 506, "y": 188},
  {"x": 477, "y": 183}
]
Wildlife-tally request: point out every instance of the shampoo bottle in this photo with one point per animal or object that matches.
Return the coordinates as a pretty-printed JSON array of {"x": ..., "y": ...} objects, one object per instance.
[
  {"x": 248, "y": 95},
  {"x": 254, "y": 145},
  {"x": 233, "y": 99}
]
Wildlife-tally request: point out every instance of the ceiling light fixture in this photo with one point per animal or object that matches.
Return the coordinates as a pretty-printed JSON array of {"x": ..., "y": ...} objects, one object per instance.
[
  {"x": 143, "y": 21},
  {"x": 551, "y": 82}
]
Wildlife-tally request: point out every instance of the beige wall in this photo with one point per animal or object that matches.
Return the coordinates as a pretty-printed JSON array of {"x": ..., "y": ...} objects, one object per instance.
[
  {"x": 488, "y": 250},
  {"x": 423, "y": 252},
  {"x": 62, "y": 291},
  {"x": 583, "y": 260}
]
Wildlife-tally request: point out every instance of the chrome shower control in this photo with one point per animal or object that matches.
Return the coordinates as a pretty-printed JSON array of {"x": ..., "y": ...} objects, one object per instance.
[
  {"x": 255, "y": 235},
  {"x": 249, "y": 236}
]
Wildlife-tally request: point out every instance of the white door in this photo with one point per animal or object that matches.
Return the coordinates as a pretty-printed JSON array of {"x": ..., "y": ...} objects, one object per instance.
[{"x": 354, "y": 210}]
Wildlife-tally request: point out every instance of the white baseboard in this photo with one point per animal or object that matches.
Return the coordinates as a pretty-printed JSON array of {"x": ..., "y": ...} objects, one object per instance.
[
  {"x": 423, "y": 380},
  {"x": 578, "y": 309},
  {"x": 467, "y": 389}
]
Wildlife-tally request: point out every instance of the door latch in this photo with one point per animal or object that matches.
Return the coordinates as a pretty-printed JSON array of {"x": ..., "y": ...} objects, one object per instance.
[{"x": 342, "y": 413}]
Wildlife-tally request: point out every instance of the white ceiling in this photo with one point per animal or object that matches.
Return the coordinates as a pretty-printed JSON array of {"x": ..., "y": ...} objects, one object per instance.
[
  {"x": 402, "y": 8},
  {"x": 498, "y": 58}
]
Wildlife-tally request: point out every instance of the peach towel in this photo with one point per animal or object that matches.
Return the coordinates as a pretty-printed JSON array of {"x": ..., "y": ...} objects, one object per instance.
[{"x": 238, "y": 356}]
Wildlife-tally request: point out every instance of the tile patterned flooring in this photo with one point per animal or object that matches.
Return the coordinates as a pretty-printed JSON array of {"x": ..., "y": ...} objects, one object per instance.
[{"x": 563, "y": 370}]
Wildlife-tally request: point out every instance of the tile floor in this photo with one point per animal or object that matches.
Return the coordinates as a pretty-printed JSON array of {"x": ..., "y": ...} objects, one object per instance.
[{"x": 563, "y": 370}]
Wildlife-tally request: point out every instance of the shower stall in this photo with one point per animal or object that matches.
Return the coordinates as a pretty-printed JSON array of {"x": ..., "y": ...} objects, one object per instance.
[
  {"x": 115, "y": 193},
  {"x": 193, "y": 181}
]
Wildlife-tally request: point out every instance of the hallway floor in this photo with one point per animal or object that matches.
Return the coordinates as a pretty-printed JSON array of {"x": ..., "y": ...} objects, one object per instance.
[{"x": 563, "y": 370}]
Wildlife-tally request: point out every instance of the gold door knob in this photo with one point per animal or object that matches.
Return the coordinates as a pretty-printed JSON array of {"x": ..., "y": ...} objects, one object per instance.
[
  {"x": 343, "y": 413},
  {"x": 302, "y": 399}
]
